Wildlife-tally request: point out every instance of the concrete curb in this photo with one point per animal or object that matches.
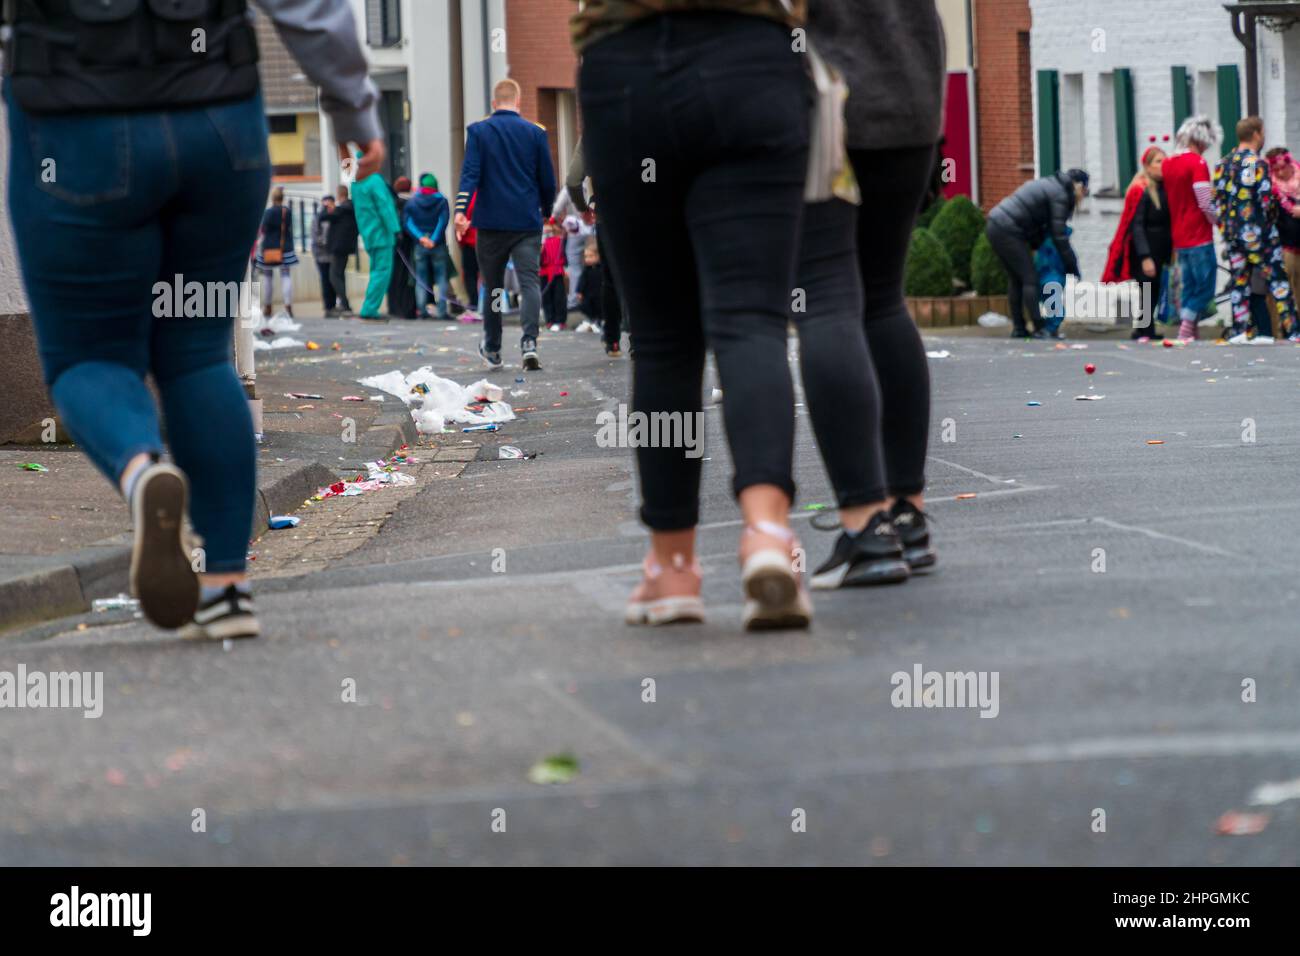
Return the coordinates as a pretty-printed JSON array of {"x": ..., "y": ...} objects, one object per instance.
[{"x": 72, "y": 581}]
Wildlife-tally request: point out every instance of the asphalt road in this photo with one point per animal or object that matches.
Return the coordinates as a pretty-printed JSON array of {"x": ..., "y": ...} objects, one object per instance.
[{"x": 1119, "y": 690}]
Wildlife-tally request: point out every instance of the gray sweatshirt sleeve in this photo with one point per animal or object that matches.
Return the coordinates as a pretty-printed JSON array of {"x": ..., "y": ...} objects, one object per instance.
[{"x": 322, "y": 37}]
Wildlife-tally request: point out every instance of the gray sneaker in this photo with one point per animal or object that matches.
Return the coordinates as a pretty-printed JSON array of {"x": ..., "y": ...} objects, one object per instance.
[
  {"x": 531, "y": 362},
  {"x": 491, "y": 359}
]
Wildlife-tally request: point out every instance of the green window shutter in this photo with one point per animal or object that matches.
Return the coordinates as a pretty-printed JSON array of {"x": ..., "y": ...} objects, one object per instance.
[
  {"x": 1229, "y": 87},
  {"x": 1049, "y": 122},
  {"x": 1182, "y": 95},
  {"x": 1125, "y": 127}
]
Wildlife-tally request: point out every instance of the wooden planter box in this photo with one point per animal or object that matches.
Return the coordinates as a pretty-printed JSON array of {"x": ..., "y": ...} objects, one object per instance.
[{"x": 950, "y": 311}]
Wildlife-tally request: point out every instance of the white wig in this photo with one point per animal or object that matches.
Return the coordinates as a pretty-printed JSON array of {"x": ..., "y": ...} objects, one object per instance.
[{"x": 1198, "y": 132}]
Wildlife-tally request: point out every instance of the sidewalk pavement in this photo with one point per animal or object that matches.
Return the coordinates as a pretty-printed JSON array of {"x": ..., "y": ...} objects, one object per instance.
[{"x": 67, "y": 531}]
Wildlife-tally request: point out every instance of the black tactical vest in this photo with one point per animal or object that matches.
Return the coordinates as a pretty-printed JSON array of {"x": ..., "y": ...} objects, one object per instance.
[{"x": 75, "y": 56}]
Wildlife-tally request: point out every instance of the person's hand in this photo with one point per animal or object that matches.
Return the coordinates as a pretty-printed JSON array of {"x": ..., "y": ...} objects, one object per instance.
[
  {"x": 372, "y": 157},
  {"x": 1149, "y": 267},
  {"x": 1295, "y": 211},
  {"x": 462, "y": 226},
  {"x": 426, "y": 242}
]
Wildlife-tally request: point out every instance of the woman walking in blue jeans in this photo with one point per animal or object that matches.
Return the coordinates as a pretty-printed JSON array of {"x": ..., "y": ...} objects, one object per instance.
[{"x": 157, "y": 173}]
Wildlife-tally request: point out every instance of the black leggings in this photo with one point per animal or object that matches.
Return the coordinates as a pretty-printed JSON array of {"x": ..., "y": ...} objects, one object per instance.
[
  {"x": 696, "y": 137},
  {"x": 611, "y": 305},
  {"x": 868, "y": 394},
  {"x": 469, "y": 272},
  {"x": 555, "y": 301},
  {"x": 1022, "y": 275}
]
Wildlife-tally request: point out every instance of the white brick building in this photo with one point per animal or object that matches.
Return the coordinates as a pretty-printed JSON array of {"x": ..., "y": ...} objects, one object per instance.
[{"x": 1112, "y": 77}]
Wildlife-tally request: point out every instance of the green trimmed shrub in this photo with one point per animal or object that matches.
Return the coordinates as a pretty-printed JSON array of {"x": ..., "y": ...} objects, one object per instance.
[
  {"x": 928, "y": 273},
  {"x": 958, "y": 224},
  {"x": 986, "y": 271},
  {"x": 926, "y": 219}
]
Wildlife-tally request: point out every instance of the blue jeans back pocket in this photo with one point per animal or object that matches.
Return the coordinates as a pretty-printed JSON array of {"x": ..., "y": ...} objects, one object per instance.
[
  {"x": 82, "y": 160},
  {"x": 242, "y": 127}
]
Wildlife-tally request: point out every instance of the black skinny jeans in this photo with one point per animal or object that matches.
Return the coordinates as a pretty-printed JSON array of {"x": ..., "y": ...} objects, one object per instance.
[
  {"x": 1022, "y": 276},
  {"x": 696, "y": 138},
  {"x": 868, "y": 394}
]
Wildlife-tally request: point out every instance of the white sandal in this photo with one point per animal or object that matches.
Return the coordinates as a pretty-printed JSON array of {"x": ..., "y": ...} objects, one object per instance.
[
  {"x": 775, "y": 598},
  {"x": 676, "y": 609}
]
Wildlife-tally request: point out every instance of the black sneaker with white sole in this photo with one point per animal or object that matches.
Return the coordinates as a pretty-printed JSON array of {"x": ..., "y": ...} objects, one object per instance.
[
  {"x": 873, "y": 556},
  {"x": 914, "y": 531},
  {"x": 531, "y": 362},
  {"x": 162, "y": 574},
  {"x": 491, "y": 359},
  {"x": 228, "y": 616}
]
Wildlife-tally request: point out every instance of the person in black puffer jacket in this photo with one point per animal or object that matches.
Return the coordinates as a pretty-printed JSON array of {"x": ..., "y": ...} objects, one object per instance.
[{"x": 1037, "y": 211}]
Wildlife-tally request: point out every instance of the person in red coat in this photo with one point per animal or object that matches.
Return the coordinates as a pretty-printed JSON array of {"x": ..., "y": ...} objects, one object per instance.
[
  {"x": 554, "y": 293},
  {"x": 1143, "y": 244}
]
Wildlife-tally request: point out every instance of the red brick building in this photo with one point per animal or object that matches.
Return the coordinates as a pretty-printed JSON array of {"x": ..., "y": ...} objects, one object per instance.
[
  {"x": 1003, "y": 96},
  {"x": 541, "y": 59}
]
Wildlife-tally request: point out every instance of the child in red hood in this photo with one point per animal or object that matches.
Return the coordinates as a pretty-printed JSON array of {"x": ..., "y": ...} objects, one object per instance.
[{"x": 554, "y": 291}]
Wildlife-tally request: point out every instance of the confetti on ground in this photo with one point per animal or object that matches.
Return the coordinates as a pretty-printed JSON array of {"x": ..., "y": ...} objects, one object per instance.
[
  {"x": 1033, "y": 404},
  {"x": 1233, "y": 823},
  {"x": 1088, "y": 398},
  {"x": 1156, "y": 441},
  {"x": 558, "y": 768},
  {"x": 966, "y": 496}
]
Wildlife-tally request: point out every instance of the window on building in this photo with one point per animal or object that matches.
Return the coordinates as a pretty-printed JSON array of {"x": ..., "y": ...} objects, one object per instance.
[
  {"x": 1184, "y": 94},
  {"x": 1106, "y": 179},
  {"x": 1228, "y": 87},
  {"x": 1025, "y": 86},
  {"x": 566, "y": 126},
  {"x": 283, "y": 123},
  {"x": 1073, "y": 152},
  {"x": 1049, "y": 122},
  {"x": 1207, "y": 97},
  {"x": 384, "y": 23}
]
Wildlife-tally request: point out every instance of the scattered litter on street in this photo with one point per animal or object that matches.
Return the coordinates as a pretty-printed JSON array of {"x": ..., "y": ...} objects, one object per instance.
[
  {"x": 434, "y": 401},
  {"x": 382, "y": 473},
  {"x": 1033, "y": 404},
  {"x": 279, "y": 522},
  {"x": 312, "y": 346},
  {"x": 1088, "y": 398},
  {"x": 992, "y": 320},
  {"x": 353, "y": 398},
  {"x": 510, "y": 451},
  {"x": 283, "y": 342},
  {"x": 303, "y": 395},
  {"x": 557, "y": 768},
  {"x": 1234, "y": 823},
  {"x": 482, "y": 428},
  {"x": 941, "y": 354},
  {"x": 1271, "y": 794},
  {"x": 1156, "y": 441},
  {"x": 32, "y": 466},
  {"x": 1089, "y": 369},
  {"x": 123, "y": 602},
  {"x": 966, "y": 496}
]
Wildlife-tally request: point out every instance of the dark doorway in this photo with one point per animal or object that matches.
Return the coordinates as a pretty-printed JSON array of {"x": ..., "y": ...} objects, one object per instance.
[{"x": 392, "y": 110}]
